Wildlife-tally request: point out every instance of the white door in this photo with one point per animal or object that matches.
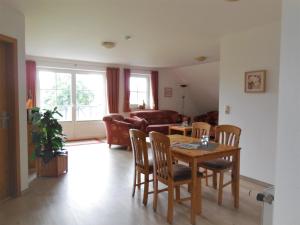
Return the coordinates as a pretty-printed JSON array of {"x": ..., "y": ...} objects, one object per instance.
[{"x": 80, "y": 97}]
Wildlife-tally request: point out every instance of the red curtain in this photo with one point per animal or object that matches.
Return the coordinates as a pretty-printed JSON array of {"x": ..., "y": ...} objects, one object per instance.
[
  {"x": 154, "y": 87},
  {"x": 126, "y": 90},
  {"x": 112, "y": 77},
  {"x": 31, "y": 81}
]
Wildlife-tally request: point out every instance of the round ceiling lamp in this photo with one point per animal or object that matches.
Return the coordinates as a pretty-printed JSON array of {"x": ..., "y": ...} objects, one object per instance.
[
  {"x": 108, "y": 44},
  {"x": 201, "y": 58}
]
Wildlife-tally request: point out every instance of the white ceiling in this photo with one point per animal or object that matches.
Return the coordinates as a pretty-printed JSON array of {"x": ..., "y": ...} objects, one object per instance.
[{"x": 165, "y": 33}]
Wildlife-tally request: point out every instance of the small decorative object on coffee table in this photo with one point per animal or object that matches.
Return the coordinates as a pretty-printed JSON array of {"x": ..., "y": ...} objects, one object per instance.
[{"x": 184, "y": 129}]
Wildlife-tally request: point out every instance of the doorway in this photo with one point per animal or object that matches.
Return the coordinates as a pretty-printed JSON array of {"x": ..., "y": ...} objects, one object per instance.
[{"x": 9, "y": 117}]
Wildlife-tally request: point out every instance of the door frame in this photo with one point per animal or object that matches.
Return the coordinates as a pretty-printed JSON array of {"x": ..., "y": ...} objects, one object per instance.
[{"x": 13, "y": 107}]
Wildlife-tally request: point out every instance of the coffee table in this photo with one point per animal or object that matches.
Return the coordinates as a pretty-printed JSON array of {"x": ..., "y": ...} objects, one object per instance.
[{"x": 184, "y": 129}]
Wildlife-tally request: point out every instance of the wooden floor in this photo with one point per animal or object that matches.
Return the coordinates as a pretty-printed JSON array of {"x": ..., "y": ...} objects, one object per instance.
[{"x": 97, "y": 191}]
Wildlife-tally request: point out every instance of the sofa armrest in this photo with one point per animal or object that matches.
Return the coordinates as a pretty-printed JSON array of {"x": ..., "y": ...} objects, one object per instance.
[{"x": 123, "y": 124}]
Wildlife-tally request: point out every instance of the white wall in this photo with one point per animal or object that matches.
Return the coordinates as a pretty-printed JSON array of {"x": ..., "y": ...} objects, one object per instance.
[
  {"x": 202, "y": 93},
  {"x": 255, "y": 113},
  {"x": 287, "y": 184},
  {"x": 12, "y": 24}
]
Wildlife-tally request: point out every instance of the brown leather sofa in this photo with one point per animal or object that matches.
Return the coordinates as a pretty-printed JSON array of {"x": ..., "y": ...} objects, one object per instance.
[
  {"x": 117, "y": 129},
  {"x": 158, "y": 120}
]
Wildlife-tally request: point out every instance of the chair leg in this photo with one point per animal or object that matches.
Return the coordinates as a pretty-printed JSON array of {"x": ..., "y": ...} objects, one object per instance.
[
  {"x": 215, "y": 177},
  {"x": 220, "y": 195},
  {"x": 170, "y": 202},
  {"x": 109, "y": 145},
  {"x": 177, "y": 193},
  {"x": 206, "y": 177},
  {"x": 139, "y": 180},
  {"x": 232, "y": 186},
  {"x": 134, "y": 182},
  {"x": 153, "y": 183},
  {"x": 155, "y": 194},
  {"x": 146, "y": 188}
]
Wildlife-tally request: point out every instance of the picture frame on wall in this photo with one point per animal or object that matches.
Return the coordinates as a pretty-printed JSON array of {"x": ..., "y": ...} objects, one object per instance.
[
  {"x": 255, "y": 81},
  {"x": 168, "y": 92}
]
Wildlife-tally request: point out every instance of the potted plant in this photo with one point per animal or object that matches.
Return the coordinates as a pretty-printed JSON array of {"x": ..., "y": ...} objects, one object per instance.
[{"x": 48, "y": 140}]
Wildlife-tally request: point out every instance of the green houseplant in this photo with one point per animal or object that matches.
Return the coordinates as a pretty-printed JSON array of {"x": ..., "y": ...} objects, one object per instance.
[{"x": 48, "y": 141}]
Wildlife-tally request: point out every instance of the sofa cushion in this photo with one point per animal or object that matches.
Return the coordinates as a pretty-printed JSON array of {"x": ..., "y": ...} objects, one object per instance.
[{"x": 142, "y": 120}]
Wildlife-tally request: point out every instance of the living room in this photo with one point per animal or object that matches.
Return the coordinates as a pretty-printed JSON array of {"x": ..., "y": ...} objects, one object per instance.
[{"x": 240, "y": 37}]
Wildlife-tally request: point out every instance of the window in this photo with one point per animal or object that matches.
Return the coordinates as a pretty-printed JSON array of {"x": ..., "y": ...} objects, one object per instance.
[
  {"x": 139, "y": 90},
  {"x": 55, "y": 90},
  {"x": 64, "y": 89},
  {"x": 90, "y": 99}
]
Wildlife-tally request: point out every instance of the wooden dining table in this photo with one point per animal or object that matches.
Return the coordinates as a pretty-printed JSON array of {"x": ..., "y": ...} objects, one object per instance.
[{"x": 194, "y": 156}]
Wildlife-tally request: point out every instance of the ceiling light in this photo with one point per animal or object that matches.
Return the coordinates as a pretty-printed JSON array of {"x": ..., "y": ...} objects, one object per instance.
[
  {"x": 108, "y": 44},
  {"x": 201, "y": 58}
]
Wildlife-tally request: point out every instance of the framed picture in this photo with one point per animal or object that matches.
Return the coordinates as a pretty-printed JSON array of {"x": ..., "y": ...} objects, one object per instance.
[
  {"x": 255, "y": 81},
  {"x": 168, "y": 92}
]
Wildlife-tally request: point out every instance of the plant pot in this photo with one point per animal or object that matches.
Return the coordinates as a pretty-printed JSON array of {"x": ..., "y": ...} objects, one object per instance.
[{"x": 54, "y": 168}]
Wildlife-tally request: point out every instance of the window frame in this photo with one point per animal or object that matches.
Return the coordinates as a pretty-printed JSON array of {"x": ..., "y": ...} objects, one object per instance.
[
  {"x": 148, "y": 99},
  {"x": 87, "y": 73},
  {"x": 52, "y": 70},
  {"x": 73, "y": 73}
]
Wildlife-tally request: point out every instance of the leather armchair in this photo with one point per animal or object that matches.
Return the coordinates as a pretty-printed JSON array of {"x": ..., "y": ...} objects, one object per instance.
[{"x": 117, "y": 129}]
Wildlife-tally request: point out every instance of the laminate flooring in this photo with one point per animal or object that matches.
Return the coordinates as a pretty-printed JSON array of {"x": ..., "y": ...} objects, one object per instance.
[{"x": 97, "y": 191}]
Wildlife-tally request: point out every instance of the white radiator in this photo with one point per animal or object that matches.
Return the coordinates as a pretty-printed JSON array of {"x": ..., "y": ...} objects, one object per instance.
[{"x": 267, "y": 198}]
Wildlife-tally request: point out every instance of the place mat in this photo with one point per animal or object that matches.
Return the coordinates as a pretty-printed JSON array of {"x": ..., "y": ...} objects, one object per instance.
[{"x": 196, "y": 146}]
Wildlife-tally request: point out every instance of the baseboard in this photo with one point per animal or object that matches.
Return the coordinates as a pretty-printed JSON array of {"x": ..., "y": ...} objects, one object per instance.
[
  {"x": 258, "y": 182},
  {"x": 86, "y": 139}
]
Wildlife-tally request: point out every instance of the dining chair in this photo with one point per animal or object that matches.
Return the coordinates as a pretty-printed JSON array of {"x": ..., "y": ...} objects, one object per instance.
[
  {"x": 171, "y": 174},
  {"x": 143, "y": 164},
  {"x": 227, "y": 135},
  {"x": 200, "y": 128}
]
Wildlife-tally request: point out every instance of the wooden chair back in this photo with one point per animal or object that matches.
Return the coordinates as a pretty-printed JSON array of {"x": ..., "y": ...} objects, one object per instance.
[
  {"x": 228, "y": 135},
  {"x": 160, "y": 145},
  {"x": 200, "y": 128},
  {"x": 139, "y": 148}
]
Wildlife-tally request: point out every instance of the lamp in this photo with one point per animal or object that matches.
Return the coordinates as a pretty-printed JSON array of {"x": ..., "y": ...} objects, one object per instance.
[
  {"x": 29, "y": 103},
  {"x": 29, "y": 106},
  {"x": 108, "y": 44},
  {"x": 183, "y": 86}
]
